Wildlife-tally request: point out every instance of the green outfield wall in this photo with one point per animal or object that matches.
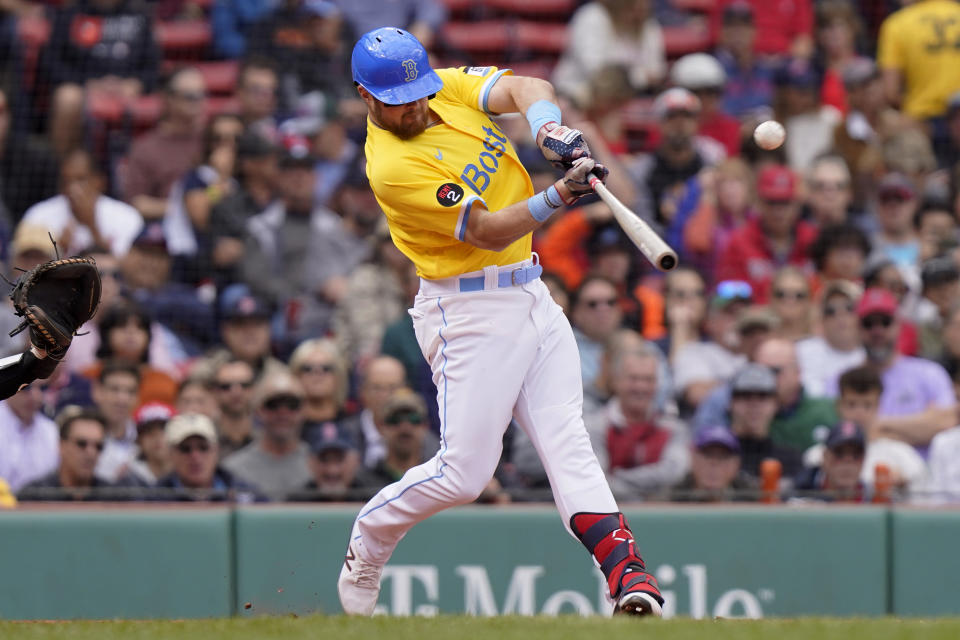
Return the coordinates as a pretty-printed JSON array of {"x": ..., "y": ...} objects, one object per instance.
[{"x": 727, "y": 561}]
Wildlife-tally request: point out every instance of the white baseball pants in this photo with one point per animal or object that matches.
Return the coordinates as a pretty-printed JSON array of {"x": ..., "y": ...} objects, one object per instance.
[{"x": 495, "y": 353}]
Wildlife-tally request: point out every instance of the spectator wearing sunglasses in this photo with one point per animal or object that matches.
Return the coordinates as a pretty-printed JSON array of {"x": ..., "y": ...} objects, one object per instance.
[
  {"x": 897, "y": 237},
  {"x": 790, "y": 303},
  {"x": 322, "y": 371},
  {"x": 277, "y": 461},
  {"x": 233, "y": 382},
  {"x": 196, "y": 475},
  {"x": 82, "y": 435},
  {"x": 595, "y": 317},
  {"x": 838, "y": 346},
  {"x": 918, "y": 400}
]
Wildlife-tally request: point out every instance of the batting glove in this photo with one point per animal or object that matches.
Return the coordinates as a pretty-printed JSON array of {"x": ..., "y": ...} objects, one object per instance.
[
  {"x": 561, "y": 145},
  {"x": 576, "y": 181}
]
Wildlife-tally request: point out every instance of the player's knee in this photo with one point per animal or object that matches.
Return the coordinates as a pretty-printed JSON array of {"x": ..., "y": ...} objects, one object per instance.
[{"x": 469, "y": 482}]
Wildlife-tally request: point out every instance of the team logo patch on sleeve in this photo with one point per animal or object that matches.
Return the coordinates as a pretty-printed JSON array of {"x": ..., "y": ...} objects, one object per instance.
[
  {"x": 476, "y": 71},
  {"x": 449, "y": 194}
]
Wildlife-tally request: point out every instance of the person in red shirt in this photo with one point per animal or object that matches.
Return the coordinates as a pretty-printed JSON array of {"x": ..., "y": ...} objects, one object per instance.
[
  {"x": 783, "y": 26},
  {"x": 640, "y": 450},
  {"x": 703, "y": 74},
  {"x": 774, "y": 238}
]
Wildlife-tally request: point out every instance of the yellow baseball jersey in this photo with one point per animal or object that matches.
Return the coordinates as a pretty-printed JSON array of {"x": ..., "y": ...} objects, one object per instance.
[
  {"x": 922, "y": 41},
  {"x": 428, "y": 184}
]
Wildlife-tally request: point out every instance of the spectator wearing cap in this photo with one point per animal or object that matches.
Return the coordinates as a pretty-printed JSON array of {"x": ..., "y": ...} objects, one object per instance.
[
  {"x": 196, "y": 476},
  {"x": 375, "y": 298},
  {"x": 701, "y": 365},
  {"x": 115, "y": 396},
  {"x": 245, "y": 330},
  {"x": 702, "y": 74},
  {"x": 186, "y": 224},
  {"x": 97, "y": 48},
  {"x": 81, "y": 215},
  {"x": 858, "y": 402},
  {"x": 663, "y": 177},
  {"x": 839, "y": 254},
  {"x": 233, "y": 382},
  {"x": 913, "y": 65},
  {"x": 306, "y": 39},
  {"x": 774, "y": 238},
  {"x": 896, "y": 238},
  {"x": 918, "y": 400},
  {"x": 30, "y": 246},
  {"x": 256, "y": 175},
  {"x": 276, "y": 462},
  {"x": 182, "y": 308},
  {"x": 753, "y": 405},
  {"x": 324, "y": 374},
  {"x": 837, "y": 479},
  {"x": 29, "y": 438},
  {"x": 308, "y": 276},
  {"x": 809, "y": 122},
  {"x": 125, "y": 334},
  {"x": 823, "y": 357},
  {"x": 715, "y": 474},
  {"x": 334, "y": 463},
  {"x": 641, "y": 450},
  {"x": 422, "y": 18},
  {"x": 82, "y": 435},
  {"x": 829, "y": 191},
  {"x": 883, "y": 273},
  {"x": 608, "y": 32},
  {"x": 160, "y": 157},
  {"x": 152, "y": 460},
  {"x": 748, "y": 92},
  {"x": 941, "y": 290},
  {"x": 781, "y": 29}
]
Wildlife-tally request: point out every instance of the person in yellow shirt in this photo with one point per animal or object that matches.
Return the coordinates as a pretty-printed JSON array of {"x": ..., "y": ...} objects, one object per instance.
[
  {"x": 461, "y": 206},
  {"x": 918, "y": 50}
]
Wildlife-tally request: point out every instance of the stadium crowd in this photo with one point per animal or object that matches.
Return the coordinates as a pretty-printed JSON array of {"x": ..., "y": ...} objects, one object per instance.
[{"x": 253, "y": 344}]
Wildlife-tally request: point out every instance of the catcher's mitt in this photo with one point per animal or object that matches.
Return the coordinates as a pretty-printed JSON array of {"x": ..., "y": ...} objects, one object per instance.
[{"x": 54, "y": 299}]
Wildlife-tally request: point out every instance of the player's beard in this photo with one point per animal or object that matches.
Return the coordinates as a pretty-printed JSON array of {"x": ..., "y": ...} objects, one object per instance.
[{"x": 410, "y": 124}]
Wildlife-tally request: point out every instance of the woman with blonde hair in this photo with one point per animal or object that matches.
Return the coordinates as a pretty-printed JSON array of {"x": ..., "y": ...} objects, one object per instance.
[
  {"x": 323, "y": 373},
  {"x": 790, "y": 301}
]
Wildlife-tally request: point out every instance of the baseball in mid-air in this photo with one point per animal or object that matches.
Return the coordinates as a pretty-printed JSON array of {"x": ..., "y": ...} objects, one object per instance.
[{"x": 769, "y": 134}]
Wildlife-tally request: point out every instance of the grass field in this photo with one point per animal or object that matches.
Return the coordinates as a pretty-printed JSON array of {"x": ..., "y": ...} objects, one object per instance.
[{"x": 503, "y": 628}]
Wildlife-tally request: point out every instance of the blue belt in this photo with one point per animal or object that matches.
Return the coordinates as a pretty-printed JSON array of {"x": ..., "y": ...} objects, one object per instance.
[{"x": 513, "y": 278}]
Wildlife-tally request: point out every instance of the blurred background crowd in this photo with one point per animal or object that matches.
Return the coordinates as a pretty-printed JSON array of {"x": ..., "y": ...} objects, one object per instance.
[{"x": 253, "y": 342}]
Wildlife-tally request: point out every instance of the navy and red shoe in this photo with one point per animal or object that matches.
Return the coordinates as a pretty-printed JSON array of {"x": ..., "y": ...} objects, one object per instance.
[{"x": 639, "y": 593}]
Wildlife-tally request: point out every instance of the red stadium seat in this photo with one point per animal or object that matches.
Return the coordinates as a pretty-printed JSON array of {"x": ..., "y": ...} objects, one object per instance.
[
  {"x": 220, "y": 76},
  {"x": 184, "y": 38},
  {"x": 694, "y": 6},
  {"x": 684, "y": 39},
  {"x": 540, "y": 37},
  {"x": 145, "y": 111},
  {"x": 461, "y": 6},
  {"x": 105, "y": 108},
  {"x": 533, "y": 7},
  {"x": 485, "y": 36},
  {"x": 542, "y": 69}
]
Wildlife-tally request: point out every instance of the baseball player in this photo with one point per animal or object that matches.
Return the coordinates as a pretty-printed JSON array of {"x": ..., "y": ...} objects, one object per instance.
[{"x": 461, "y": 206}]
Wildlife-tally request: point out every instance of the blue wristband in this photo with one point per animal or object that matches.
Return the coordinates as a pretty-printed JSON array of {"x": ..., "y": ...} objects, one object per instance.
[
  {"x": 542, "y": 205},
  {"x": 540, "y": 113}
]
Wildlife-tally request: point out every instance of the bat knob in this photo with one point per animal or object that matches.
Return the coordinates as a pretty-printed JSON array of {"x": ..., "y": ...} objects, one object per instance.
[{"x": 668, "y": 261}]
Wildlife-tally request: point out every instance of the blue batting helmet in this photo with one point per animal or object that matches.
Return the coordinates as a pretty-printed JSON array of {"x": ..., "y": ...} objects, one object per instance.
[{"x": 392, "y": 65}]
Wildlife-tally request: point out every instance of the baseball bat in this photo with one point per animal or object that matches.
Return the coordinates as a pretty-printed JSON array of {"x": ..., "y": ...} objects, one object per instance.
[{"x": 650, "y": 244}]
